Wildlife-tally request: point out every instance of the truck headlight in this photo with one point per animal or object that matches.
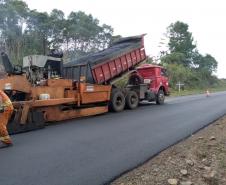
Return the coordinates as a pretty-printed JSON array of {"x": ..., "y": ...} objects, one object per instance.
[{"x": 147, "y": 81}]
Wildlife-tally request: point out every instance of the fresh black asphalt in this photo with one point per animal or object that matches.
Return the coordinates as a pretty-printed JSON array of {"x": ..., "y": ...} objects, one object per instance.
[{"x": 97, "y": 149}]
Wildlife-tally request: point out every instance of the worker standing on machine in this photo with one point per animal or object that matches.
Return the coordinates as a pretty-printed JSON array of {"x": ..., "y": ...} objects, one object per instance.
[{"x": 6, "y": 110}]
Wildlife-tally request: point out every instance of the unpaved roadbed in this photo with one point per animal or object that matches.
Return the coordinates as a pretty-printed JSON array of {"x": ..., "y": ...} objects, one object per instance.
[{"x": 199, "y": 160}]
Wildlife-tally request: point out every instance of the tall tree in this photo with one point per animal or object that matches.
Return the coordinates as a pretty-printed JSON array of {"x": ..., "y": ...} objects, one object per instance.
[
  {"x": 181, "y": 42},
  {"x": 57, "y": 25},
  {"x": 39, "y": 24},
  {"x": 13, "y": 16},
  {"x": 85, "y": 33}
]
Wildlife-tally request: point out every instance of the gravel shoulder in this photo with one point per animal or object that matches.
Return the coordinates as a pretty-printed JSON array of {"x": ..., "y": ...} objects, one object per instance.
[{"x": 198, "y": 160}]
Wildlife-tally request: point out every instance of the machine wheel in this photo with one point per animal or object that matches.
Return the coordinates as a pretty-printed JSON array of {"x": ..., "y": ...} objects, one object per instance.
[
  {"x": 132, "y": 100},
  {"x": 160, "y": 97},
  {"x": 35, "y": 121},
  {"x": 117, "y": 102}
]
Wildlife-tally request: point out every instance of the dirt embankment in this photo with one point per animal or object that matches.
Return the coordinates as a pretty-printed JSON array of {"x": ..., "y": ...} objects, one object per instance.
[{"x": 199, "y": 160}]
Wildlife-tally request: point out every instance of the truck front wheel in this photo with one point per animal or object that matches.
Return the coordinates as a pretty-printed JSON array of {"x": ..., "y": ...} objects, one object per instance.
[
  {"x": 132, "y": 100},
  {"x": 160, "y": 97},
  {"x": 117, "y": 102}
]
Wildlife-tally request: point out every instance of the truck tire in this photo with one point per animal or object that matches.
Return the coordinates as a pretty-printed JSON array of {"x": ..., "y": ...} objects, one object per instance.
[
  {"x": 117, "y": 102},
  {"x": 160, "y": 97},
  {"x": 132, "y": 100}
]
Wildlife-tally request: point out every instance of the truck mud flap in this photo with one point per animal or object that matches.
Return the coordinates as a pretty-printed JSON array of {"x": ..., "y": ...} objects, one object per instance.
[{"x": 35, "y": 121}]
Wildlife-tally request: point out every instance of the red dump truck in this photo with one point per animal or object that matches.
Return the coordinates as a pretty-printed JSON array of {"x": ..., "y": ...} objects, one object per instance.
[{"x": 146, "y": 82}]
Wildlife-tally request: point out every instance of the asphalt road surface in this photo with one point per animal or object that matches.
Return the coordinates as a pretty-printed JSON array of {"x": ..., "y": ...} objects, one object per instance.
[{"x": 95, "y": 150}]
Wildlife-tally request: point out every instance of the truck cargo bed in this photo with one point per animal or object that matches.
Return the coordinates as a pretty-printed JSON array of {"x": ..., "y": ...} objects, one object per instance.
[{"x": 104, "y": 66}]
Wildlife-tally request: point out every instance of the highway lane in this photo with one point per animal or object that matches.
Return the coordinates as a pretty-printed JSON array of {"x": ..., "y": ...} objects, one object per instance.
[{"x": 95, "y": 150}]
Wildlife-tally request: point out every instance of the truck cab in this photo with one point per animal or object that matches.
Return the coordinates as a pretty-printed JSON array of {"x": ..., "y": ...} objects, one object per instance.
[
  {"x": 149, "y": 82},
  {"x": 156, "y": 76}
]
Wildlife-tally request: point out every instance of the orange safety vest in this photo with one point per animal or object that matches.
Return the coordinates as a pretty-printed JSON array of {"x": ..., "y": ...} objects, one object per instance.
[{"x": 5, "y": 101}]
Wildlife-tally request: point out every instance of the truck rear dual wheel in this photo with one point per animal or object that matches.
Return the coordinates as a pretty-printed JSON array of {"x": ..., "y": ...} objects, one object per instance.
[
  {"x": 160, "y": 97},
  {"x": 132, "y": 100},
  {"x": 117, "y": 102}
]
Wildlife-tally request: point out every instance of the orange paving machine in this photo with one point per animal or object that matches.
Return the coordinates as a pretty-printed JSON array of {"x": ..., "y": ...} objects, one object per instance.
[{"x": 40, "y": 95}]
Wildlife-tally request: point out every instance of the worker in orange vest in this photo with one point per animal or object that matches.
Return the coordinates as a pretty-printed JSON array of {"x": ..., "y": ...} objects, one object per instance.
[{"x": 6, "y": 110}]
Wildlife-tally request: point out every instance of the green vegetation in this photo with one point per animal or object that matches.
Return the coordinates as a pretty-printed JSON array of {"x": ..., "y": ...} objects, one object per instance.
[
  {"x": 184, "y": 62},
  {"x": 219, "y": 86},
  {"x": 25, "y": 32}
]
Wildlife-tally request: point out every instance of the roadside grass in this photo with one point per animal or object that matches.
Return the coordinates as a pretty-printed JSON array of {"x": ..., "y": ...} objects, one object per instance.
[{"x": 185, "y": 92}]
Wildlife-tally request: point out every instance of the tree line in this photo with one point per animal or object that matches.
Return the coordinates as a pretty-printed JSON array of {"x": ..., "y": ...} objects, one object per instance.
[
  {"x": 24, "y": 31},
  {"x": 184, "y": 62}
]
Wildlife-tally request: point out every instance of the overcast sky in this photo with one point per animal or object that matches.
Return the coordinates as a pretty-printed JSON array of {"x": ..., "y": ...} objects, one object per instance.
[{"x": 206, "y": 20}]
